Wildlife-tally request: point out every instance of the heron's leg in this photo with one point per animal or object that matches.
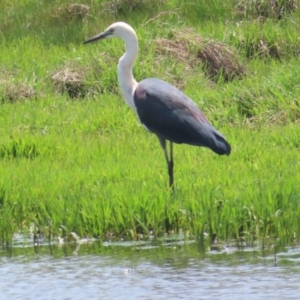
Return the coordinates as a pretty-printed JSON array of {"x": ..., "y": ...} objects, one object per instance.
[
  {"x": 170, "y": 162},
  {"x": 171, "y": 166}
]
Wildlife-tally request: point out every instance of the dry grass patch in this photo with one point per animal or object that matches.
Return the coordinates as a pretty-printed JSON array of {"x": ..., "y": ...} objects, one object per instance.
[
  {"x": 266, "y": 8},
  {"x": 70, "y": 80},
  {"x": 13, "y": 90},
  {"x": 72, "y": 11},
  {"x": 261, "y": 48},
  {"x": 179, "y": 52},
  {"x": 121, "y": 7},
  {"x": 78, "y": 81},
  {"x": 218, "y": 59}
]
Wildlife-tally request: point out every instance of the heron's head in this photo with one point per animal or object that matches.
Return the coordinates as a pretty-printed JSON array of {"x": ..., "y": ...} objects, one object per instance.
[{"x": 120, "y": 30}]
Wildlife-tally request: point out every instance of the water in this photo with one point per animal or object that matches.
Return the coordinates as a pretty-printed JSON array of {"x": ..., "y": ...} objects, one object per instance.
[{"x": 147, "y": 271}]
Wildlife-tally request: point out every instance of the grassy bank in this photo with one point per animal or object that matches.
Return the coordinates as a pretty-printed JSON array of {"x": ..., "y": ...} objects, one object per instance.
[{"x": 74, "y": 157}]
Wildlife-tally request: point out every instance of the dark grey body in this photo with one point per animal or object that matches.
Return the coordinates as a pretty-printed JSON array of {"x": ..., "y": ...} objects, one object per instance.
[{"x": 173, "y": 116}]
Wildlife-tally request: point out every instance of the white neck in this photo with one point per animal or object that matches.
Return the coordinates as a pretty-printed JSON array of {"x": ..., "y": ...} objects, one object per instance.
[{"x": 126, "y": 80}]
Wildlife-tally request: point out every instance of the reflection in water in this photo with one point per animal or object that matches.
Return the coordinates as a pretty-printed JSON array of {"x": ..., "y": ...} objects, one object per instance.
[{"x": 176, "y": 271}]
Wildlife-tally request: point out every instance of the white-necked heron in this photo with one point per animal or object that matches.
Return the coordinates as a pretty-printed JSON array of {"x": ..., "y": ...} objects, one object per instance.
[{"x": 161, "y": 107}]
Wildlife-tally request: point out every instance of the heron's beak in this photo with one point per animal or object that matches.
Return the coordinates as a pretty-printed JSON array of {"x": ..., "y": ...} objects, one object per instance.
[{"x": 99, "y": 36}]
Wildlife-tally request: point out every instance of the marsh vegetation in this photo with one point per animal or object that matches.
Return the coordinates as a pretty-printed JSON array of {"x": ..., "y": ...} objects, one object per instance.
[{"x": 74, "y": 158}]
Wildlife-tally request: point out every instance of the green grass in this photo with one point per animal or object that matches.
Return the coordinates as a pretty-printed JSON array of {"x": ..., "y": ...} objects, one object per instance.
[{"x": 86, "y": 164}]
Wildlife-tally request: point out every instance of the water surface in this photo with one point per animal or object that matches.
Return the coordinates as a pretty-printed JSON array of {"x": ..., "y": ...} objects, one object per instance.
[{"x": 145, "y": 271}]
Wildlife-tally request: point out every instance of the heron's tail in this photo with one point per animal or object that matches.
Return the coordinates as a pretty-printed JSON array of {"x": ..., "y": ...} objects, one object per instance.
[{"x": 219, "y": 144}]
